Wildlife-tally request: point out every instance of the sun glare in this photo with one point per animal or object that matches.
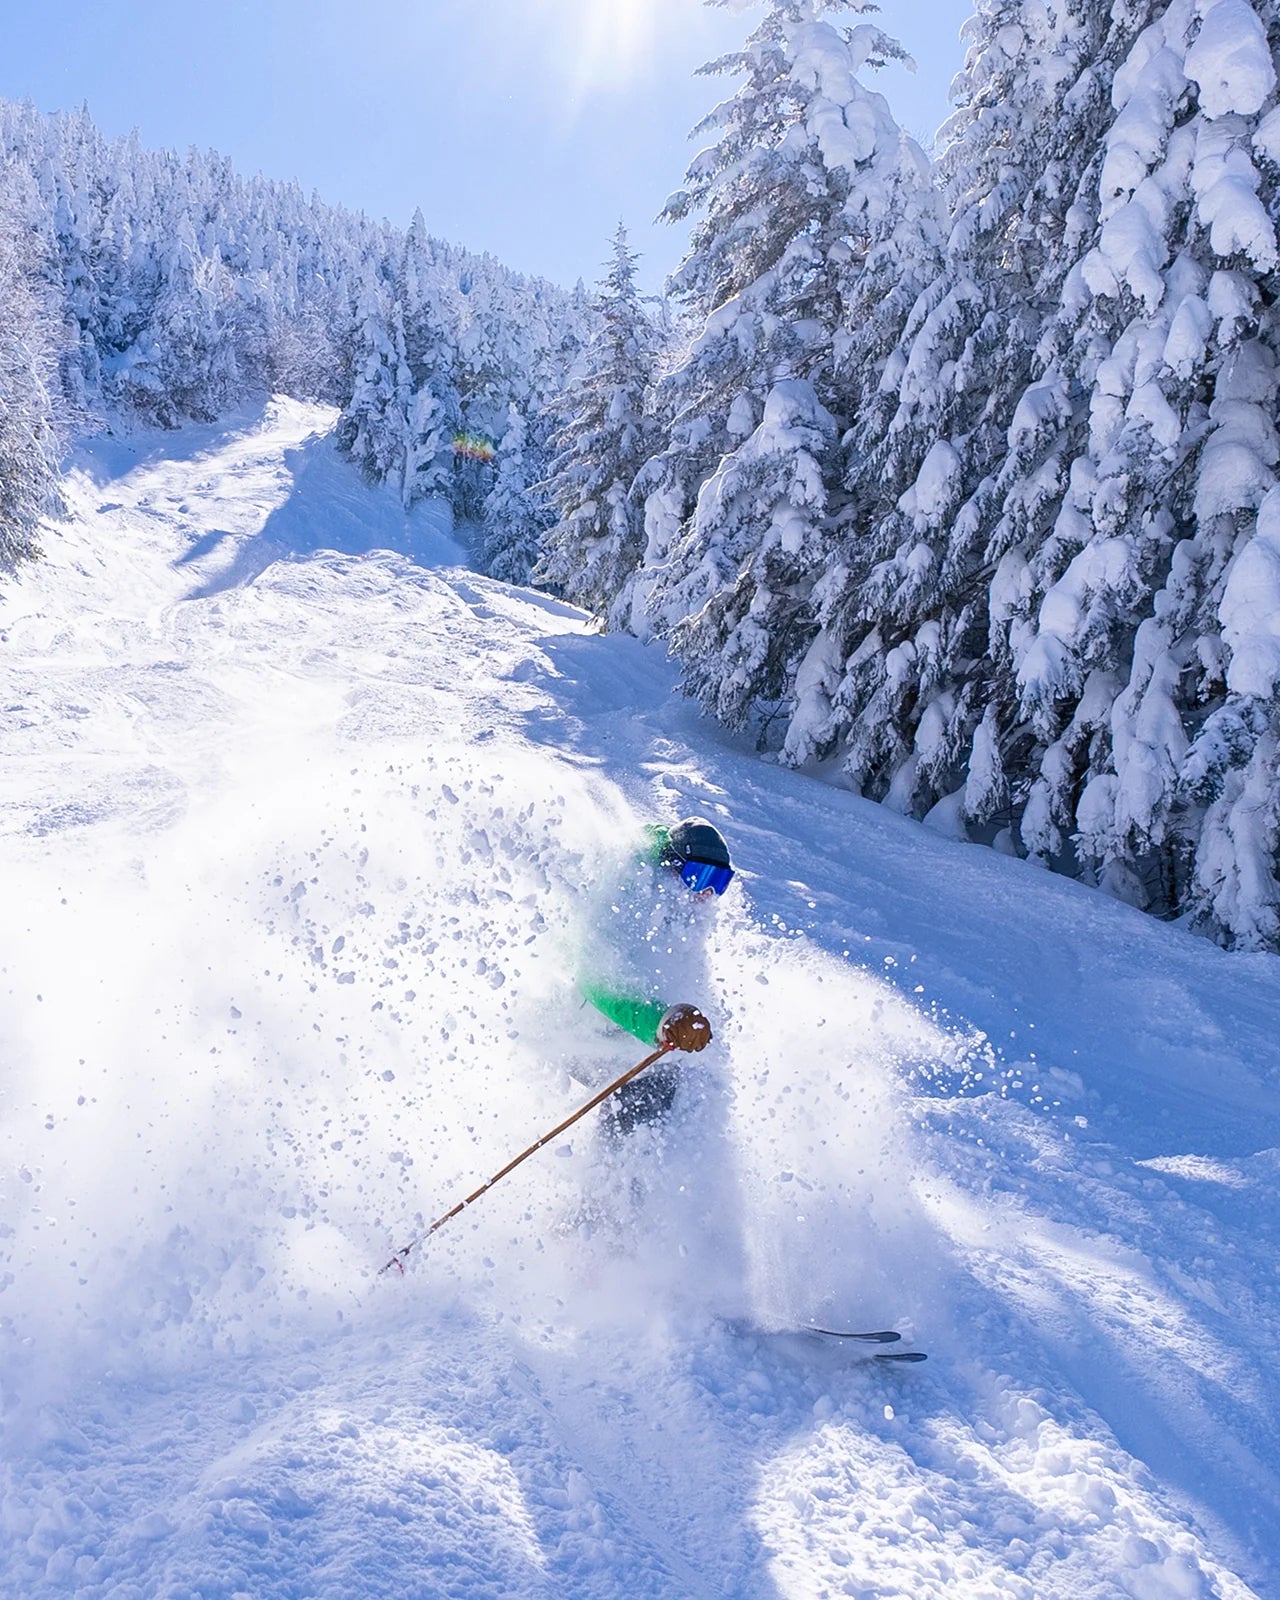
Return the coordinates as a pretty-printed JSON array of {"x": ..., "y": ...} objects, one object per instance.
[
  {"x": 619, "y": 38},
  {"x": 606, "y": 43}
]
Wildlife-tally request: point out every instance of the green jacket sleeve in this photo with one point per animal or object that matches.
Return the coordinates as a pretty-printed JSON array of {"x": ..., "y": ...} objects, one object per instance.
[{"x": 639, "y": 1017}]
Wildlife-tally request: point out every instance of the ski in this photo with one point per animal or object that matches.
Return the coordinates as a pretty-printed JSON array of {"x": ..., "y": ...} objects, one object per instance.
[
  {"x": 877, "y": 1336},
  {"x": 880, "y": 1336}
]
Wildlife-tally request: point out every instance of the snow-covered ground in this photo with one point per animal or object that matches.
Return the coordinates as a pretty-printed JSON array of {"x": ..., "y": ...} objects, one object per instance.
[{"x": 297, "y": 818}]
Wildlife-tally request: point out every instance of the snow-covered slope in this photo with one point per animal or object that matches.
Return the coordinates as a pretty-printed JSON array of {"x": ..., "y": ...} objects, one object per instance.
[{"x": 295, "y": 835}]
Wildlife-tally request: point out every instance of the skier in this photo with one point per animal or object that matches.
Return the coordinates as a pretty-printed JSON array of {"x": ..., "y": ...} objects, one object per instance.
[{"x": 646, "y": 944}]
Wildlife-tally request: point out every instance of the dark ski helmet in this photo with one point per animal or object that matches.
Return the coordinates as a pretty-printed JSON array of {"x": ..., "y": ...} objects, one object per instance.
[{"x": 695, "y": 839}]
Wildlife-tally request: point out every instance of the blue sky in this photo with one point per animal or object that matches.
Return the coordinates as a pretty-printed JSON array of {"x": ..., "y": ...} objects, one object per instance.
[{"x": 522, "y": 127}]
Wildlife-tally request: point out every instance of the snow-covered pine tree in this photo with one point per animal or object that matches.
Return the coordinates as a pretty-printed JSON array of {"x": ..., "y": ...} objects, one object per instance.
[
  {"x": 513, "y": 350},
  {"x": 898, "y": 680},
  {"x": 309, "y": 343},
  {"x": 1062, "y": 614},
  {"x": 27, "y": 439},
  {"x": 373, "y": 429},
  {"x": 433, "y": 416},
  {"x": 597, "y": 539},
  {"x": 1145, "y": 636},
  {"x": 516, "y": 515},
  {"x": 805, "y": 199},
  {"x": 78, "y": 242},
  {"x": 184, "y": 362}
]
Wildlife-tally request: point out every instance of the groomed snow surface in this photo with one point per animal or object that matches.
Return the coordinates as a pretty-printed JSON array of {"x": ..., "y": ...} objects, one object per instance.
[{"x": 298, "y": 818}]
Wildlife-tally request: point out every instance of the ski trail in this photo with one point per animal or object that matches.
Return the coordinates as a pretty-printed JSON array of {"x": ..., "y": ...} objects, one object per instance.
[
  {"x": 296, "y": 853},
  {"x": 572, "y": 1420}
]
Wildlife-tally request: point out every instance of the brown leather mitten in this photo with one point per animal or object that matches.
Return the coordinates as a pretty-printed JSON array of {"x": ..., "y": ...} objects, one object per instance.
[{"x": 685, "y": 1027}]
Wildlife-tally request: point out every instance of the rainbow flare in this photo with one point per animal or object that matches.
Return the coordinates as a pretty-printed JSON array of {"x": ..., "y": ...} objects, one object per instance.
[{"x": 474, "y": 447}]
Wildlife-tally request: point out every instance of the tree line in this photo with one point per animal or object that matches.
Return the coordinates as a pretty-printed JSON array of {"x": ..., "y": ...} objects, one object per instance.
[
  {"x": 951, "y": 477},
  {"x": 959, "y": 480},
  {"x": 152, "y": 287}
]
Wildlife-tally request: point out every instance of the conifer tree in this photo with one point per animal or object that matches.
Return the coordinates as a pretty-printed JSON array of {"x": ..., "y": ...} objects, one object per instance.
[
  {"x": 516, "y": 515},
  {"x": 1145, "y": 641},
  {"x": 27, "y": 440},
  {"x": 183, "y": 364},
  {"x": 433, "y": 413},
  {"x": 1056, "y": 614},
  {"x": 374, "y": 425},
  {"x": 813, "y": 205},
  {"x": 897, "y": 679},
  {"x": 596, "y": 541}
]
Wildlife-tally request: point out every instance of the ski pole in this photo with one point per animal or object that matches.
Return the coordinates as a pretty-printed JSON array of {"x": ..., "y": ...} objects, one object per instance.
[{"x": 397, "y": 1261}]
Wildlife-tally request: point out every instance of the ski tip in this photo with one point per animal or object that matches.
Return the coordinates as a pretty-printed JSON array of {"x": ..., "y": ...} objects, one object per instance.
[{"x": 902, "y": 1355}]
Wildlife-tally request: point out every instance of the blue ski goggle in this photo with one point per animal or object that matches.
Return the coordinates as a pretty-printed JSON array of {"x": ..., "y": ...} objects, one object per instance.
[{"x": 701, "y": 875}]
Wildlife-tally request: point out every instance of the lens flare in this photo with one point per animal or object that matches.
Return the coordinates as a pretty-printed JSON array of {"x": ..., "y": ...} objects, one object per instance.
[{"x": 474, "y": 447}]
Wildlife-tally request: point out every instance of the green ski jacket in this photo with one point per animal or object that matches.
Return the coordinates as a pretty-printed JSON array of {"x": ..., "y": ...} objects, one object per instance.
[
  {"x": 630, "y": 1011},
  {"x": 639, "y": 1017}
]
